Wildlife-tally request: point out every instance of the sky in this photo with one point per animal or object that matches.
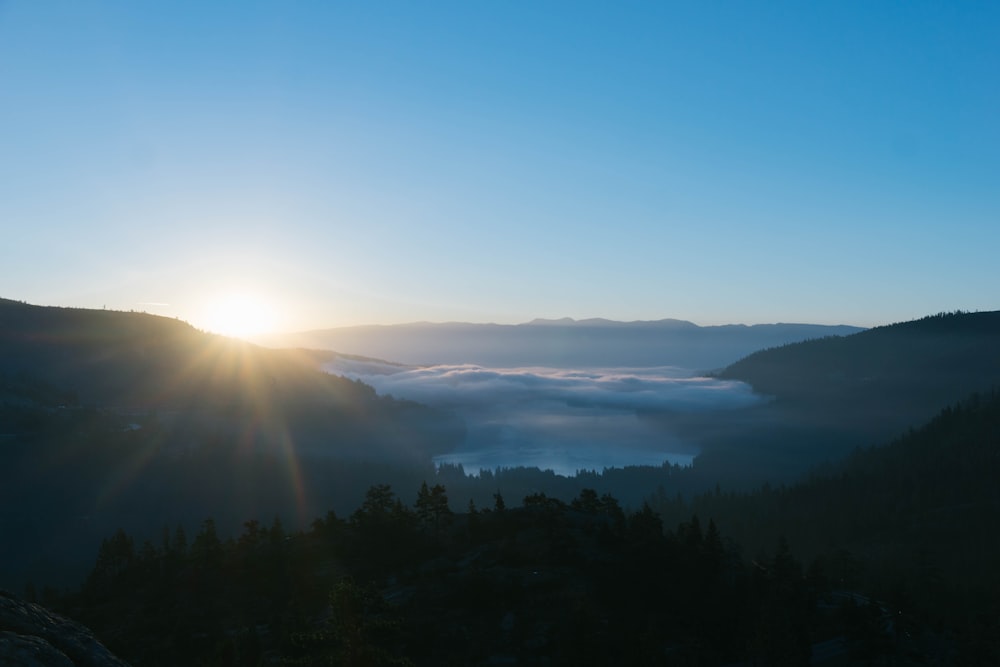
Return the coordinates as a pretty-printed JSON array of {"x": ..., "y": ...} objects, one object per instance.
[{"x": 289, "y": 166}]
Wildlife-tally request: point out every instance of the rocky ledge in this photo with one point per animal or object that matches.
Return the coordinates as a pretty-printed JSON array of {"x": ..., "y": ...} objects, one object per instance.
[{"x": 32, "y": 636}]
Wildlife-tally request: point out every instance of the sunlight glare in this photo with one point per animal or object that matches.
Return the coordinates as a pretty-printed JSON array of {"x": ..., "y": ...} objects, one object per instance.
[{"x": 240, "y": 316}]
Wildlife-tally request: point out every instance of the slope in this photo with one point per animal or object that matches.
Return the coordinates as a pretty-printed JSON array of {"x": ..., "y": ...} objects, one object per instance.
[
  {"x": 112, "y": 419},
  {"x": 910, "y": 521},
  {"x": 832, "y": 394},
  {"x": 913, "y": 368}
]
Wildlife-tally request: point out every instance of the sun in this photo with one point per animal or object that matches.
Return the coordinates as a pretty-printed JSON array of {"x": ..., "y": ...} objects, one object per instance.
[{"x": 240, "y": 315}]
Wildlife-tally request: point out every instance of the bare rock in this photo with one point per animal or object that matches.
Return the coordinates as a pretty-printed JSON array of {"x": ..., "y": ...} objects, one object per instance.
[
  {"x": 29, "y": 651},
  {"x": 31, "y": 635}
]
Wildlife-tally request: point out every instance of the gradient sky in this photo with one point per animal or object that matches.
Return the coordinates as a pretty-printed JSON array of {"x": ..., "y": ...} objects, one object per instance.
[{"x": 381, "y": 162}]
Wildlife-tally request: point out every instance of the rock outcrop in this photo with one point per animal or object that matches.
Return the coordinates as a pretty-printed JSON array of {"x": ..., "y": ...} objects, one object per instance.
[{"x": 33, "y": 636}]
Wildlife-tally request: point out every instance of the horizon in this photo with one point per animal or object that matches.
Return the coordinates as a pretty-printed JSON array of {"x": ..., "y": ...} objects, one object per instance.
[
  {"x": 280, "y": 168},
  {"x": 532, "y": 321}
]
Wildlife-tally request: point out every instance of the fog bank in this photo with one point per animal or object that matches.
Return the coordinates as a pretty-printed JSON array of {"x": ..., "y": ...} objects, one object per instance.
[{"x": 555, "y": 418}]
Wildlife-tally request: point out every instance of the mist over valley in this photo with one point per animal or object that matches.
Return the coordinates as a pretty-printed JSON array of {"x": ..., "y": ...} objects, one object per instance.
[
  {"x": 499, "y": 333},
  {"x": 119, "y": 427},
  {"x": 560, "y": 419},
  {"x": 561, "y": 395}
]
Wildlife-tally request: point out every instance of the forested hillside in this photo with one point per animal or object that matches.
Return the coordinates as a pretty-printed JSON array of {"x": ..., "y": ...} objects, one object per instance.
[
  {"x": 201, "y": 461},
  {"x": 909, "y": 522},
  {"x": 895, "y": 373},
  {"x": 888, "y": 559},
  {"x": 114, "y": 419},
  {"x": 136, "y": 361},
  {"x": 831, "y": 395},
  {"x": 542, "y": 583}
]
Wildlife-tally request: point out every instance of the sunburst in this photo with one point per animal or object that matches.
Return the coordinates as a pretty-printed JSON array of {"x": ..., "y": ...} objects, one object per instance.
[{"x": 240, "y": 315}]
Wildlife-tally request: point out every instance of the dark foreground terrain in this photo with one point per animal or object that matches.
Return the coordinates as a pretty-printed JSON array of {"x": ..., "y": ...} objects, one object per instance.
[
  {"x": 886, "y": 559},
  {"x": 585, "y": 583},
  {"x": 194, "y": 467}
]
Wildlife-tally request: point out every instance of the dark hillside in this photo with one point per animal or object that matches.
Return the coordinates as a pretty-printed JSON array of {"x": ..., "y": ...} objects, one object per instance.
[
  {"x": 910, "y": 521},
  {"x": 135, "y": 363},
  {"x": 126, "y": 419},
  {"x": 833, "y": 394},
  {"x": 914, "y": 368},
  {"x": 546, "y": 583},
  {"x": 136, "y": 360}
]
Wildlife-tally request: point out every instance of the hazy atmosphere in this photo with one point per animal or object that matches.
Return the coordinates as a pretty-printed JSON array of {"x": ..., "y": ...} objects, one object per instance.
[
  {"x": 499, "y": 333},
  {"x": 558, "y": 419},
  {"x": 253, "y": 167}
]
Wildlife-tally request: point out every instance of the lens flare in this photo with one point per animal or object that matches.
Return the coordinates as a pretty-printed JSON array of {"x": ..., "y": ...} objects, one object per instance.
[{"x": 240, "y": 316}]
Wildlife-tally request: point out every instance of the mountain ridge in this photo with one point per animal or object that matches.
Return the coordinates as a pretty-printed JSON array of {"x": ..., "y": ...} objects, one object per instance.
[
  {"x": 957, "y": 349},
  {"x": 558, "y": 343},
  {"x": 562, "y": 321},
  {"x": 830, "y": 395}
]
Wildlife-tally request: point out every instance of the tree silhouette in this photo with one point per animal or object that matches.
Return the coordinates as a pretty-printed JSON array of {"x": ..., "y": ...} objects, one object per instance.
[
  {"x": 361, "y": 631},
  {"x": 432, "y": 506}
]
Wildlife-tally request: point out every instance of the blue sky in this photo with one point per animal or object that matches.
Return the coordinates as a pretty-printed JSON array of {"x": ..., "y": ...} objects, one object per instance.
[{"x": 381, "y": 162}]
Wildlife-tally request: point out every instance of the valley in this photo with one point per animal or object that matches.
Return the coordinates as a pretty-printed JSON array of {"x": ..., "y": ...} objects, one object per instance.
[{"x": 869, "y": 459}]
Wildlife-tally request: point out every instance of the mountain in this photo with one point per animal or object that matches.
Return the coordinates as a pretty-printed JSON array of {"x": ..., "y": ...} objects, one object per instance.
[
  {"x": 561, "y": 343},
  {"x": 833, "y": 394},
  {"x": 139, "y": 364},
  {"x": 135, "y": 360},
  {"x": 909, "y": 521},
  {"x": 124, "y": 421},
  {"x": 114, "y": 419},
  {"x": 899, "y": 373}
]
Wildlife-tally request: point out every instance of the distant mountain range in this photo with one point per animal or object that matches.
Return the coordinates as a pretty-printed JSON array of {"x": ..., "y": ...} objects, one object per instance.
[{"x": 561, "y": 343}]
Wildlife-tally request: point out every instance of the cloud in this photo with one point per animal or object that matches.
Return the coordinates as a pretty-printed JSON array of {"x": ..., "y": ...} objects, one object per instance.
[
  {"x": 662, "y": 388},
  {"x": 558, "y": 419}
]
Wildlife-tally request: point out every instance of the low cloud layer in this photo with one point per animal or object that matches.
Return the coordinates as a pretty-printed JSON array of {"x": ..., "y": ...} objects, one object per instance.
[
  {"x": 663, "y": 388},
  {"x": 565, "y": 420}
]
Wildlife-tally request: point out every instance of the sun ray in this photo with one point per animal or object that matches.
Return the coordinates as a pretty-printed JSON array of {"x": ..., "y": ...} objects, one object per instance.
[{"x": 240, "y": 315}]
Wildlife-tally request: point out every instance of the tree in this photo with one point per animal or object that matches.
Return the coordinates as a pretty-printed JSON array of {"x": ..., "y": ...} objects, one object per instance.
[
  {"x": 206, "y": 550},
  {"x": 114, "y": 558},
  {"x": 251, "y": 536},
  {"x": 645, "y": 525},
  {"x": 361, "y": 631},
  {"x": 587, "y": 502},
  {"x": 610, "y": 508},
  {"x": 541, "y": 501},
  {"x": 180, "y": 543},
  {"x": 276, "y": 536},
  {"x": 713, "y": 549},
  {"x": 781, "y": 635},
  {"x": 378, "y": 505},
  {"x": 383, "y": 528},
  {"x": 690, "y": 534},
  {"x": 432, "y": 505}
]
